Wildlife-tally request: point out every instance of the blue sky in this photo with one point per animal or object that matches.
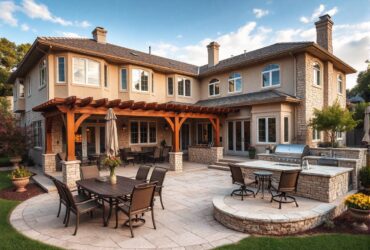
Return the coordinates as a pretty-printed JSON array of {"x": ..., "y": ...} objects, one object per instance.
[{"x": 181, "y": 29}]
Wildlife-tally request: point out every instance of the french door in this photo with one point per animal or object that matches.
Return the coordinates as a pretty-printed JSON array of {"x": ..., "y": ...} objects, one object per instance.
[
  {"x": 185, "y": 137},
  {"x": 238, "y": 137}
]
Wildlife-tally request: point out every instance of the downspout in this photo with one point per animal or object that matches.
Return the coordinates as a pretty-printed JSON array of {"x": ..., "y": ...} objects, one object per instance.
[{"x": 295, "y": 129}]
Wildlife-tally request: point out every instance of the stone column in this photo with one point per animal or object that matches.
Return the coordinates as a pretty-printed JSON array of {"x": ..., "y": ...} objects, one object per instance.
[
  {"x": 49, "y": 164},
  {"x": 217, "y": 154},
  {"x": 176, "y": 161},
  {"x": 71, "y": 172}
]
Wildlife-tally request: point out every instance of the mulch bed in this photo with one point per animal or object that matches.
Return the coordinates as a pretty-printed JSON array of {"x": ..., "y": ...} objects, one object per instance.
[{"x": 10, "y": 194}]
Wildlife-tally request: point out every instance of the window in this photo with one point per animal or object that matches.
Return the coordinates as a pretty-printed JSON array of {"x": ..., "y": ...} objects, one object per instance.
[
  {"x": 214, "y": 87},
  {"x": 271, "y": 75},
  {"x": 123, "y": 79},
  {"x": 29, "y": 87},
  {"x": 339, "y": 135},
  {"x": 340, "y": 84},
  {"x": 316, "y": 135},
  {"x": 267, "y": 130},
  {"x": 183, "y": 87},
  {"x": 286, "y": 129},
  {"x": 204, "y": 133},
  {"x": 235, "y": 83},
  {"x": 86, "y": 71},
  {"x": 316, "y": 74},
  {"x": 143, "y": 132},
  {"x": 37, "y": 134},
  {"x": 170, "y": 86},
  {"x": 61, "y": 69},
  {"x": 106, "y": 76},
  {"x": 21, "y": 90},
  {"x": 42, "y": 70},
  {"x": 140, "y": 80}
]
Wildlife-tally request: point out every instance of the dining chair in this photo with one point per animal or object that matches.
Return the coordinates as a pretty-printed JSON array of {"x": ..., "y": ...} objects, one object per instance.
[
  {"x": 141, "y": 202},
  {"x": 156, "y": 156},
  {"x": 288, "y": 183},
  {"x": 165, "y": 153},
  {"x": 89, "y": 172},
  {"x": 126, "y": 157},
  {"x": 238, "y": 179},
  {"x": 158, "y": 176},
  {"x": 142, "y": 173}
]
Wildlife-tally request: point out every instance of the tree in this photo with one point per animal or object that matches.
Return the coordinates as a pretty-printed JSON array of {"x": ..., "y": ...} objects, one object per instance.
[
  {"x": 333, "y": 119},
  {"x": 359, "y": 113},
  {"x": 10, "y": 55},
  {"x": 362, "y": 87}
]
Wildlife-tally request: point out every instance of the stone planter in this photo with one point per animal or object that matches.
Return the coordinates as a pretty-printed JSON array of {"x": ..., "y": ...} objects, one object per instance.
[
  {"x": 15, "y": 160},
  {"x": 361, "y": 216},
  {"x": 20, "y": 183}
]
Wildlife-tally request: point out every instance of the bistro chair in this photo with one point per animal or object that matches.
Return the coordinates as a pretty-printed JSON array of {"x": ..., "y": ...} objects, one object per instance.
[
  {"x": 142, "y": 173},
  {"x": 141, "y": 202},
  {"x": 78, "y": 207},
  {"x": 288, "y": 183},
  {"x": 126, "y": 157},
  {"x": 158, "y": 176},
  {"x": 238, "y": 178},
  {"x": 165, "y": 153},
  {"x": 156, "y": 156},
  {"x": 89, "y": 172}
]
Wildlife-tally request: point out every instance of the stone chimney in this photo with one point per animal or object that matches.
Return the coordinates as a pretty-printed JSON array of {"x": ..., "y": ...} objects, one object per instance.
[
  {"x": 324, "y": 29},
  {"x": 213, "y": 48},
  {"x": 100, "y": 35}
]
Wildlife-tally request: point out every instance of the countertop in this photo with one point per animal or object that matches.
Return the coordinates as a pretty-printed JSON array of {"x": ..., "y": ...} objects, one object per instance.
[{"x": 324, "y": 171}]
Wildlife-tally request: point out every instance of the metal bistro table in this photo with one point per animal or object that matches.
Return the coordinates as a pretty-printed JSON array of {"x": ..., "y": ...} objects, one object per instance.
[
  {"x": 108, "y": 192},
  {"x": 262, "y": 177}
]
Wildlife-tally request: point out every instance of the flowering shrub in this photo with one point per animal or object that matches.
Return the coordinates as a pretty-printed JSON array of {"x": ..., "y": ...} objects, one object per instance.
[
  {"x": 358, "y": 201},
  {"x": 20, "y": 172}
]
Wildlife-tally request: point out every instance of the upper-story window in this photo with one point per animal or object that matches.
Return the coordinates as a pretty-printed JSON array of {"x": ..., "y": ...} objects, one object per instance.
[
  {"x": 61, "y": 69},
  {"x": 170, "y": 86},
  {"x": 140, "y": 80},
  {"x": 42, "y": 71},
  {"x": 21, "y": 90},
  {"x": 105, "y": 76},
  {"x": 123, "y": 79},
  {"x": 86, "y": 71},
  {"x": 235, "y": 83},
  {"x": 316, "y": 135},
  {"x": 340, "y": 84},
  {"x": 183, "y": 87},
  {"x": 271, "y": 75},
  {"x": 316, "y": 74},
  {"x": 214, "y": 87}
]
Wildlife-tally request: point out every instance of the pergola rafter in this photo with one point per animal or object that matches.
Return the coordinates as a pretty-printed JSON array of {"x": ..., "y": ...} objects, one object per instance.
[{"x": 174, "y": 114}]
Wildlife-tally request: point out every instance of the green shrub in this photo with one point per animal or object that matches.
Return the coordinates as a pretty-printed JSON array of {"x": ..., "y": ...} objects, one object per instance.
[
  {"x": 365, "y": 177},
  {"x": 252, "y": 152},
  {"x": 20, "y": 172}
]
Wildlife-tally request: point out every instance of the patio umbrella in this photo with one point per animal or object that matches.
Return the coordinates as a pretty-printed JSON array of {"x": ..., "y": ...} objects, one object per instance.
[
  {"x": 111, "y": 136},
  {"x": 366, "y": 137}
]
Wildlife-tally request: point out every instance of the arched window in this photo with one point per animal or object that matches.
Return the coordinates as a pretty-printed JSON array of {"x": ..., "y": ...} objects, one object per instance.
[
  {"x": 271, "y": 75},
  {"x": 316, "y": 74},
  {"x": 235, "y": 83},
  {"x": 214, "y": 87},
  {"x": 340, "y": 84}
]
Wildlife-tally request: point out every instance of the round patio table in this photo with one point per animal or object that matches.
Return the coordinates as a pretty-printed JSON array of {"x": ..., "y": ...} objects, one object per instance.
[{"x": 262, "y": 177}]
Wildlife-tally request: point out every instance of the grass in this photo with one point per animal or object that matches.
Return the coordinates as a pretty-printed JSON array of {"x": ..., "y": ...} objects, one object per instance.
[
  {"x": 4, "y": 161},
  {"x": 321, "y": 242}
]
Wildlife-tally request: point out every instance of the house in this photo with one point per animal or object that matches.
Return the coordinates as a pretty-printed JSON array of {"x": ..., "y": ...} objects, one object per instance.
[{"x": 261, "y": 97}]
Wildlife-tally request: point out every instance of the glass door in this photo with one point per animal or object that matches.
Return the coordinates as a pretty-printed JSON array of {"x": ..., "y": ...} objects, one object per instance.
[
  {"x": 185, "y": 137},
  {"x": 90, "y": 140},
  {"x": 238, "y": 140}
]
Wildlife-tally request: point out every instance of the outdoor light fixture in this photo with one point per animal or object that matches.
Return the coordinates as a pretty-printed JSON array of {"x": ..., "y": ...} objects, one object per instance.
[{"x": 124, "y": 126}]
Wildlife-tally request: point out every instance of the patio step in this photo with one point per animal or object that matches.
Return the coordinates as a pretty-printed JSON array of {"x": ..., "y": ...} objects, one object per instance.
[
  {"x": 228, "y": 160},
  {"x": 223, "y": 164},
  {"x": 218, "y": 167},
  {"x": 44, "y": 182}
]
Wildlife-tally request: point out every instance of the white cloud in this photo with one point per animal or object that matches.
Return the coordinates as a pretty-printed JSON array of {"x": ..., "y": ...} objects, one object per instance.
[
  {"x": 7, "y": 13},
  {"x": 260, "y": 13},
  {"x": 179, "y": 36},
  {"x": 83, "y": 24},
  {"x": 319, "y": 11},
  {"x": 25, "y": 27},
  {"x": 69, "y": 34}
]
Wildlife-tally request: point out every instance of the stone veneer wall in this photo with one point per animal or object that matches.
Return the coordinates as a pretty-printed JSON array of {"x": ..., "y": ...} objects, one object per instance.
[
  {"x": 205, "y": 155},
  {"x": 48, "y": 163},
  {"x": 71, "y": 172},
  {"x": 320, "y": 188},
  {"x": 176, "y": 161}
]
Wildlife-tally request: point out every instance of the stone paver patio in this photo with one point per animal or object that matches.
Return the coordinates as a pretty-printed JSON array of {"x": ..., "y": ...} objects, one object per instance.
[{"x": 186, "y": 223}]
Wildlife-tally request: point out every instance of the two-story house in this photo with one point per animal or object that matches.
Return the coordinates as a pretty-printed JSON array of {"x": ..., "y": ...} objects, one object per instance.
[{"x": 261, "y": 97}]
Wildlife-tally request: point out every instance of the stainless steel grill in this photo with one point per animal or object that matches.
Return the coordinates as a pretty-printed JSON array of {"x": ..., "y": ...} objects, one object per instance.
[{"x": 291, "y": 152}]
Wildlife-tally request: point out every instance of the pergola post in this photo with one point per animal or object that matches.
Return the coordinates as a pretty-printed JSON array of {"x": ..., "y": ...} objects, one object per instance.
[{"x": 70, "y": 121}]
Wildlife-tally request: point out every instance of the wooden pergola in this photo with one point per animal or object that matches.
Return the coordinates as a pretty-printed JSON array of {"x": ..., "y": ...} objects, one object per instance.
[{"x": 75, "y": 110}]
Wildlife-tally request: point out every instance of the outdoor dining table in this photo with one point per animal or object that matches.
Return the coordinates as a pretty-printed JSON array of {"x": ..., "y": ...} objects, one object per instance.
[{"x": 108, "y": 192}]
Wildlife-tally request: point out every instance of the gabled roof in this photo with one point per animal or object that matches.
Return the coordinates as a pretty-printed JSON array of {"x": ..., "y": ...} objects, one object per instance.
[{"x": 260, "y": 97}]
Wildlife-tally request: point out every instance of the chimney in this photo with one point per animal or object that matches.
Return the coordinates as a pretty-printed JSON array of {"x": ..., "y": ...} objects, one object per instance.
[
  {"x": 100, "y": 35},
  {"x": 324, "y": 29},
  {"x": 213, "y": 48}
]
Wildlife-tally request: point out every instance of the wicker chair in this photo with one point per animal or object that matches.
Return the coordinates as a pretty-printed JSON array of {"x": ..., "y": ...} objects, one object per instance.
[
  {"x": 158, "y": 176},
  {"x": 156, "y": 156},
  {"x": 142, "y": 173},
  {"x": 141, "y": 202},
  {"x": 78, "y": 207},
  {"x": 288, "y": 183},
  {"x": 126, "y": 157},
  {"x": 165, "y": 153},
  {"x": 89, "y": 172},
  {"x": 238, "y": 178}
]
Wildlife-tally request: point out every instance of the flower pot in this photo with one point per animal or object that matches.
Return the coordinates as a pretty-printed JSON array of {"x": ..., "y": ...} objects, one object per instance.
[
  {"x": 20, "y": 184},
  {"x": 361, "y": 216},
  {"x": 15, "y": 160}
]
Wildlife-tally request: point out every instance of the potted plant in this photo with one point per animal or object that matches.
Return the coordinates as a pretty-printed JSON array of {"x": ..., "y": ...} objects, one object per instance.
[
  {"x": 359, "y": 208},
  {"x": 112, "y": 162},
  {"x": 252, "y": 152},
  {"x": 20, "y": 178},
  {"x": 365, "y": 178}
]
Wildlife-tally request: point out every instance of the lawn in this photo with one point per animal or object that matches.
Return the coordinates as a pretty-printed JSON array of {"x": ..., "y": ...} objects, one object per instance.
[
  {"x": 4, "y": 161},
  {"x": 321, "y": 242},
  {"x": 4, "y": 180}
]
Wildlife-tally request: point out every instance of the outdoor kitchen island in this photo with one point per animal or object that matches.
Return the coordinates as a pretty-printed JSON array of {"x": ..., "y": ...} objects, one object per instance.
[{"x": 323, "y": 183}]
